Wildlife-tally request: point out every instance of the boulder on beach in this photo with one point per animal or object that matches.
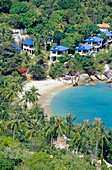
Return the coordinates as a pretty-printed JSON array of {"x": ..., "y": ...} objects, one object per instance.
[
  {"x": 101, "y": 77},
  {"x": 109, "y": 81},
  {"x": 67, "y": 78},
  {"x": 83, "y": 77},
  {"x": 108, "y": 74},
  {"x": 93, "y": 78}
]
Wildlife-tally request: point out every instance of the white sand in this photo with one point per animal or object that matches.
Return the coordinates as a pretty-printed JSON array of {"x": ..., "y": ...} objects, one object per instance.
[
  {"x": 44, "y": 85},
  {"x": 47, "y": 89}
]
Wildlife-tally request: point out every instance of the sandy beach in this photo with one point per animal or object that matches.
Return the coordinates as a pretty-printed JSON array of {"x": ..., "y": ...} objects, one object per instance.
[{"x": 47, "y": 88}]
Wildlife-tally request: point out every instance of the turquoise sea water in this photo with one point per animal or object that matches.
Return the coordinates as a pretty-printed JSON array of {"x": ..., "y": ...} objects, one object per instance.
[{"x": 85, "y": 102}]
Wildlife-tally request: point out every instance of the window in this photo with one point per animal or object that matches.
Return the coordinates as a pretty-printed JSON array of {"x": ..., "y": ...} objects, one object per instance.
[
  {"x": 79, "y": 51},
  {"x": 59, "y": 52}
]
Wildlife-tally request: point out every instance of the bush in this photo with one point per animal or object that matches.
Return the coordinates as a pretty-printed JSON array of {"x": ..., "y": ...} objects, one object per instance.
[
  {"x": 6, "y": 164},
  {"x": 18, "y": 7},
  {"x": 37, "y": 72}
]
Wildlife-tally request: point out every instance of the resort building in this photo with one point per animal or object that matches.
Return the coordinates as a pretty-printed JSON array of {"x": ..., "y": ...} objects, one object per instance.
[
  {"x": 108, "y": 34},
  {"x": 104, "y": 26},
  {"x": 84, "y": 49},
  {"x": 50, "y": 39},
  {"x": 57, "y": 51},
  {"x": 96, "y": 42},
  {"x": 28, "y": 46},
  {"x": 19, "y": 31}
]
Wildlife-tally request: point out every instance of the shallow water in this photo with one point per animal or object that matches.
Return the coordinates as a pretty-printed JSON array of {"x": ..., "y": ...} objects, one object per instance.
[{"x": 85, "y": 102}]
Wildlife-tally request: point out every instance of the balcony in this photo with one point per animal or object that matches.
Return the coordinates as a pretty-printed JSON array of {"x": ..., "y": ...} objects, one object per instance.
[
  {"x": 109, "y": 40},
  {"x": 97, "y": 45}
]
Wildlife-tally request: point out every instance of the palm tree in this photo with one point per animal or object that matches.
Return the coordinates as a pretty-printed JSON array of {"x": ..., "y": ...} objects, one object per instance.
[
  {"x": 10, "y": 92},
  {"x": 59, "y": 128},
  {"x": 76, "y": 136},
  {"x": 96, "y": 132},
  {"x": 27, "y": 97},
  {"x": 103, "y": 137},
  {"x": 38, "y": 44},
  {"x": 14, "y": 124},
  {"x": 49, "y": 129},
  {"x": 33, "y": 128},
  {"x": 70, "y": 124},
  {"x": 34, "y": 94}
]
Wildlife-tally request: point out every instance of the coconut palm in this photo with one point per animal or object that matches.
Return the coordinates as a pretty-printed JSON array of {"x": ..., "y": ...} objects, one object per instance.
[
  {"x": 96, "y": 132},
  {"x": 38, "y": 44},
  {"x": 34, "y": 94},
  {"x": 70, "y": 123},
  {"x": 10, "y": 92},
  {"x": 76, "y": 137},
  {"x": 33, "y": 128},
  {"x": 59, "y": 128},
  {"x": 103, "y": 137},
  {"x": 14, "y": 124},
  {"x": 49, "y": 129},
  {"x": 27, "y": 97}
]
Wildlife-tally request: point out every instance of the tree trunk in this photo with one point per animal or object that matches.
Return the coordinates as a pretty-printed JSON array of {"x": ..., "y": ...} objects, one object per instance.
[
  {"x": 51, "y": 142},
  {"x": 13, "y": 134},
  {"x": 58, "y": 141},
  {"x": 102, "y": 146},
  {"x": 45, "y": 48},
  {"x": 96, "y": 146},
  {"x": 77, "y": 149}
]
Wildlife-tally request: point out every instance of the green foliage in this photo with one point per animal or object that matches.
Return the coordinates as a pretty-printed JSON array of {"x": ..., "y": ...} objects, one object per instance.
[
  {"x": 39, "y": 160},
  {"x": 89, "y": 64},
  {"x": 10, "y": 61},
  {"x": 5, "y": 6},
  {"x": 38, "y": 2},
  {"x": 58, "y": 36},
  {"x": 56, "y": 70},
  {"x": 6, "y": 164},
  {"x": 18, "y": 7},
  {"x": 37, "y": 72},
  {"x": 103, "y": 35},
  {"x": 31, "y": 18},
  {"x": 64, "y": 4}
]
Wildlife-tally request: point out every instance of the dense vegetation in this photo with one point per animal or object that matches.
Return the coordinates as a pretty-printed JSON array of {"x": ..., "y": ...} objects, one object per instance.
[
  {"x": 27, "y": 137},
  {"x": 31, "y": 133}
]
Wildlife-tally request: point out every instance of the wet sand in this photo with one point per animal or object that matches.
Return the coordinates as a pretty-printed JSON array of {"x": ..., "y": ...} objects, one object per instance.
[
  {"x": 45, "y": 99},
  {"x": 47, "y": 89}
]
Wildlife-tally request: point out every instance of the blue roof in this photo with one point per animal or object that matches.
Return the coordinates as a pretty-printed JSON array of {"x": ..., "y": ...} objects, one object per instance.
[
  {"x": 28, "y": 42},
  {"x": 50, "y": 37},
  {"x": 17, "y": 48},
  {"x": 59, "y": 48},
  {"x": 94, "y": 39},
  {"x": 106, "y": 32},
  {"x": 84, "y": 47}
]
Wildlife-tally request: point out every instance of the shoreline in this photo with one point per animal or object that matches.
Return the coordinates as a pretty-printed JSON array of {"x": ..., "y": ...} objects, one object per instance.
[
  {"x": 47, "y": 89},
  {"x": 46, "y": 98}
]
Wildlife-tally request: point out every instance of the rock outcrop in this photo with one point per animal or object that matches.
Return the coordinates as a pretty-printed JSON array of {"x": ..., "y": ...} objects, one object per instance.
[
  {"x": 93, "y": 78},
  {"x": 83, "y": 78},
  {"x": 101, "y": 77}
]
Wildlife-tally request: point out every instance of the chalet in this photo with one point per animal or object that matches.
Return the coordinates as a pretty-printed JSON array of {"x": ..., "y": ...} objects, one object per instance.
[
  {"x": 96, "y": 42},
  {"x": 84, "y": 49},
  {"x": 49, "y": 40},
  {"x": 19, "y": 31},
  {"x": 57, "y": 51},
  {"x": 104, "y": 26},
  {"x": 28, "y": 46},
  {"x": 108, "y": 34}
]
